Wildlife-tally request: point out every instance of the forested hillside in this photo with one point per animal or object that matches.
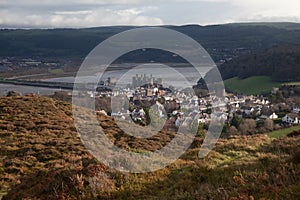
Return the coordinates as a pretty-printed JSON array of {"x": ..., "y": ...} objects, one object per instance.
[{"x": 282, "y": 63}]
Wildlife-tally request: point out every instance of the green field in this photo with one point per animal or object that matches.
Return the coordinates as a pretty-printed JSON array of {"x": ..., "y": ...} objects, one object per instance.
[
  {"x": 283, "y": 132},
  {"x": 251, "y": 86},
  {"x": 293, "y": 83}
]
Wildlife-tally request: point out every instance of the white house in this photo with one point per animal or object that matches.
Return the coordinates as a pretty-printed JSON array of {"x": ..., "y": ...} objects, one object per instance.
[
  {"x": 273, "y": 116},
  {"x": 291, "y": 118},
  {"x": 219, "y": 117},
  {"x": 202, "y": 108},
  {"x": 202, "y": 121},
  {"x": 158, "y": 107},
  {"x": 179, "y": 121},
  {"x": 92, "y": 94},
  {"x": 175, "y": 112},
  {"x": 269, "y": 116},
  {"x": 296, "y": 109},
  {"x": 138, "y": 114},
  {"x": 169, "y": 98},
  {"x": 247, "y": 110}
]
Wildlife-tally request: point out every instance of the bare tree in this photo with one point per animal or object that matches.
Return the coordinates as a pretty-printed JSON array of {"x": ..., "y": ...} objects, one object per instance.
[
  {"x": 247, "y": 127},
  {"x": 269, "y": 125},
  {"x": 232, "y": 130}
]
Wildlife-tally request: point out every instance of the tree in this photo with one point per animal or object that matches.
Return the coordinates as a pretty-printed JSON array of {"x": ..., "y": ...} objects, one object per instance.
[
  {"x": 235, "y": 121},
  {"x": 62, "y": 96},
  {"x": 269, "y": 125},
  {"x": 279, "y": 97},
  {"x": 232, "y": 130},
  {"x": 248, "y": 127}
]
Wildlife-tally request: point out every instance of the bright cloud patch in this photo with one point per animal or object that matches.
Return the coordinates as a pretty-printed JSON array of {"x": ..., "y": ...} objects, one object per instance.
[{"x": 91, "y": 13}]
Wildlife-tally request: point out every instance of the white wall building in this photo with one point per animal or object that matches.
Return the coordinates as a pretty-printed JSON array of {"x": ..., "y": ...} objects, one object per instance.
[
  {"x": 291, "y": 118},
  {"x": 296, "y": 109}
]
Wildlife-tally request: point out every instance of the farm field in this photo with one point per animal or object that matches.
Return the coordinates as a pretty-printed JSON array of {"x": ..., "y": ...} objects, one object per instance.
[
  {"x": 284, "y": 132},
  {"x": 250, "y": 86}
]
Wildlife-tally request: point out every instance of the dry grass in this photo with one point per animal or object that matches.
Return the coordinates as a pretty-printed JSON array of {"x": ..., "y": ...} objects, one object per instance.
[{"x": 41, "y": 157}]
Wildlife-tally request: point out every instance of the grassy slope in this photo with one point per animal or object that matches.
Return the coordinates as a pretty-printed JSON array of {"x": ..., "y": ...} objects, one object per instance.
[
  {"x": 41, "y": 156},
  {"x": 294, "y": 83},
  {"x": 283, "y": 132},
  {"x": 253, "y": 85}
]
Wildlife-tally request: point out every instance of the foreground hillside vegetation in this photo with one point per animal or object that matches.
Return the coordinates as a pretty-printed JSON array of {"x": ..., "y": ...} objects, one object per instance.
[{"x": 41, "y": 157}]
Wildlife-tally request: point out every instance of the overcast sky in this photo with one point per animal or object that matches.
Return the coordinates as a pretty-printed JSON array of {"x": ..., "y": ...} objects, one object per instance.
[{"x": 92, "y": 13}]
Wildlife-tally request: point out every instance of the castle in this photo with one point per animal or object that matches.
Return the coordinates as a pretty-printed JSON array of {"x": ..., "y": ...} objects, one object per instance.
[{"x": 144, "y": 80}]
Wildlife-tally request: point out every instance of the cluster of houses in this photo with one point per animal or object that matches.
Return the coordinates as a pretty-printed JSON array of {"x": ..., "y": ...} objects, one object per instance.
[
  {"x": 187, "y": 105},
  {"x": 258, "y": 108}
]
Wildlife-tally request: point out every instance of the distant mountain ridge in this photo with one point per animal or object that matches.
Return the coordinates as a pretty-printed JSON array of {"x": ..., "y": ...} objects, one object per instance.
[
  {"x": 79, "y": 42},
  {"x": 282, "y": 25}
]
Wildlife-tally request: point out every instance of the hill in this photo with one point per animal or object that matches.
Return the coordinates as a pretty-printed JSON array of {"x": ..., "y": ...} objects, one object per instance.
[
  {"x": 41, "y": 157},
  {"x": 281, "y": 63},
  {"x": 250, "y": 49},
  {"x": 282, "y": 25},
  {"x": 79, "y": 42}
]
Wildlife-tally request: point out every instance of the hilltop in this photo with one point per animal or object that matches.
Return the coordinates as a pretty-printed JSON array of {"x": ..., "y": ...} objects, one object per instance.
[{"x": 41, "y": 156}]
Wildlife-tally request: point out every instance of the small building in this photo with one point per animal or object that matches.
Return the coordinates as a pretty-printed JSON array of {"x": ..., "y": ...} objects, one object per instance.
[
  {"x": 247, "y": 110},
  {"x": 138, "y": 114},
  {"x": 201, "y": 121},
  {"x": 158, "y": 107},
  {"x": 149, "y": 92},
  {"x": 269, "y": 115},
  {"x": 291, "y": 118},
  {"x": 179, "y": 121},
  {"x": 273, "y": 116},
  {"x": 296, "y": 109},
  {"x": 202, "y": 108}
]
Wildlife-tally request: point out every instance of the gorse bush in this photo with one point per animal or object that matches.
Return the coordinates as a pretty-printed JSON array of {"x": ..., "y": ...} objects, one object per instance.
[{"x": 45, "y": 159}]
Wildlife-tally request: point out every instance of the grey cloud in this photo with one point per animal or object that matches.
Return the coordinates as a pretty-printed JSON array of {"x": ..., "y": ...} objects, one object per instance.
[
  {"x": 88, "y": 13},
  {"x": 79, "y": 18}
]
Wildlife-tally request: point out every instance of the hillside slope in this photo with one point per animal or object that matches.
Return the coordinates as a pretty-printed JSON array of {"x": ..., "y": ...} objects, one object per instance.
[
  {"x": 282, "y": 63},
  {"x": 253, "y": 85},
  {"x": 41, "y": 157}
]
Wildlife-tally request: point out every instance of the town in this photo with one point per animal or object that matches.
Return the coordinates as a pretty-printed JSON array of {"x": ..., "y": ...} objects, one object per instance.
[{"x": 242, "y": 114}]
